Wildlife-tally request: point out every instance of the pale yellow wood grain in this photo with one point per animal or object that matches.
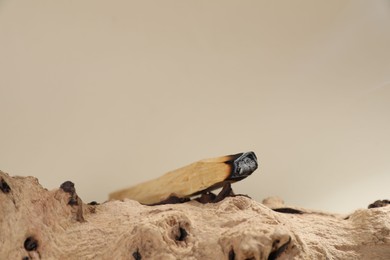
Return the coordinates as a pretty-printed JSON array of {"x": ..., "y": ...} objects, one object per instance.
[{"x": 182, "y": 182}]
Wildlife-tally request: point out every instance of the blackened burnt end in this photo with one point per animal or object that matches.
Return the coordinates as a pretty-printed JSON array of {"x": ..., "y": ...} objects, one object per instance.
[
  {"x": 243, "y": 165},
  {"x": 4, "y": 187},
  {"x": 68, "y": 187}
]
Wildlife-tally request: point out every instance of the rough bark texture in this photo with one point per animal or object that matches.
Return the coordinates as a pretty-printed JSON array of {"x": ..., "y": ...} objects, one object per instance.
[{"x": 40, "y": 224}]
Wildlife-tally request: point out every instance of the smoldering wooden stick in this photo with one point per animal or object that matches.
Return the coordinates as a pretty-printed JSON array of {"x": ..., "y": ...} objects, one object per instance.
[{"x": 198, "y": 177}]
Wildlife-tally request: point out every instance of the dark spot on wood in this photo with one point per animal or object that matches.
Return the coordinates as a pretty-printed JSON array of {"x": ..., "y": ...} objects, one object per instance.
[
  {"x": 379, "y": 203},
  {"x": 171, "y": 200},
  {"x": 137, "y": 255},
  {"x": 68, "y": 187},
  {"x": 31, "y": 244},
  {"x": 4, "y": 187},
  {"x": 182, "y": 234},
  {"x": 288, "y": 211},
  {"x": 278, "y": 251},
  {"x": 93, "y": 203},
  {"x": 26, "y": 258},
  {"x": 232, "y": 255},
  {"x": 73, "y": 201},
  {"x": 92, "y": 210}
]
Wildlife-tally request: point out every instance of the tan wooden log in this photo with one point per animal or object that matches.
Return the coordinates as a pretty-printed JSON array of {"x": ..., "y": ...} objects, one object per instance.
[
  {"x": 204, "y": 175},
  {"x": 37, "y": 223}
]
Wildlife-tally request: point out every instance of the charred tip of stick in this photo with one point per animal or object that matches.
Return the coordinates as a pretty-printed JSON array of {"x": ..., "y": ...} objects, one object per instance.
[
  {"x": 278, "y": 250},
  {"x": 243, "y": 165},
  {"x": 137, "y": 255},
  {"x": 4, "y": 187},
  {"x": 379, "y": 204},
  {"x": 68, "y": 187},
  {"x": 31, "y": 244}
]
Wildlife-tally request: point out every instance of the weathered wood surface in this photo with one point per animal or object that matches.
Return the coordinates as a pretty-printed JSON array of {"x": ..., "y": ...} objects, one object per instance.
[{"x": 40, "y": 224}]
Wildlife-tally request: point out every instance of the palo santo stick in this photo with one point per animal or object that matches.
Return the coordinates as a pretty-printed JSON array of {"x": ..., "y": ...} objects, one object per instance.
[{"x": 204, "y": 175}]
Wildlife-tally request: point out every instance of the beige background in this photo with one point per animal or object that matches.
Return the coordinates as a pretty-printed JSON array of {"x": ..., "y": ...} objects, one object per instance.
[{"x": 111, "y": 93}]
